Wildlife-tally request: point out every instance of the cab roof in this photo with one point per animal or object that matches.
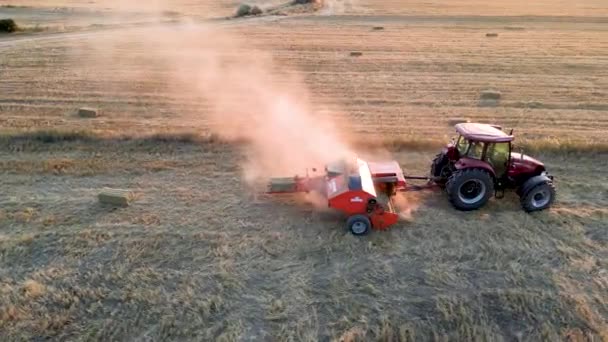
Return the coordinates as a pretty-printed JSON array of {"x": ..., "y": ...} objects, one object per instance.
[{"x": 482, "y": 132}]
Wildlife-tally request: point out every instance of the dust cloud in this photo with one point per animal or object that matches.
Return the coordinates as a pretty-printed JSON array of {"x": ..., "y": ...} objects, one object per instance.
[
  {"x": 406, "y": 203},
  {"x": 241, "y": 92},
  {"x": 251, "y": 98}
]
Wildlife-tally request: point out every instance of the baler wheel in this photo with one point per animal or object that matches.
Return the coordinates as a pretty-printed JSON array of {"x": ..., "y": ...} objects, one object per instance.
[{"x": 359, "y": 224}]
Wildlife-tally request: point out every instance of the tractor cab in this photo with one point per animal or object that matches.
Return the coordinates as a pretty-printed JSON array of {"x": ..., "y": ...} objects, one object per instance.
[
  {"x": 484, "y": 143},
  {"x": 483, "y": 153},
  {"x": 489, "y": 147}
]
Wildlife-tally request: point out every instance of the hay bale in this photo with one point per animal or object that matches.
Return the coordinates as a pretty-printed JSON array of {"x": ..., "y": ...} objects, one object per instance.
[
  {"x": 535, "y": 104},
  {"x": 87, "y": 112},
  {"x": 115, "y": 197},
  {"x": 356, "y": 54},
  {"x": 284, "y": 184},
  {"x": 8, "y": 25},
  {"x": 491, "y": 34},
  {"x": 378, "y": 28},
  {"x": 243, "y": 10},
  {"x": 489, "y": 98},
  {"x": 454, "y": 121},
  {"x": 490, "y": 95},
  {"x": 255, "y": 10}
]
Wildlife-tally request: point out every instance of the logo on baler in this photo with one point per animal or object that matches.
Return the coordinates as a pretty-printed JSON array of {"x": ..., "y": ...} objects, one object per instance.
[{"x": 356, "y": 199}]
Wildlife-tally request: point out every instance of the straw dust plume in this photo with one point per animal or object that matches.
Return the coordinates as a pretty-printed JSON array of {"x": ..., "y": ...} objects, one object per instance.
[
  {"x": 242, "y": 95},
  {"x": 251, "y": 98}
]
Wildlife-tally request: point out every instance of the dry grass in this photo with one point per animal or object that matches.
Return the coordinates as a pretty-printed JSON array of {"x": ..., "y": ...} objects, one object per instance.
[
  {"x": 195, "y": 259},
  {"x": 170, "y": 270},
  {"x": 33, "y": 289},
  {"x": 391, "y": 86}
]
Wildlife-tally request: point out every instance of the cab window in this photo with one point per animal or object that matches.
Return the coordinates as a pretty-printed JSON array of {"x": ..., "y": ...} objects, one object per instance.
[
  {"x": 471, "y": 149},
  {"x": 475, "y": 150},
  {"x": 462, "y": 146},
  {"x": 498, "y": 154}
]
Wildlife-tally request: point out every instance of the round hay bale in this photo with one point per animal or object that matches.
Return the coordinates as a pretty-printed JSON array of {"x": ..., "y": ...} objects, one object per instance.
[
  {"x": 255, "y": 10},
  {"x": 243, "y": 10},
  {"x": 8, "y": 25},
  {"x": 378, "y": 28},
  {"x": 356, "y": 54},
  {"x": 491, "y": 34}
]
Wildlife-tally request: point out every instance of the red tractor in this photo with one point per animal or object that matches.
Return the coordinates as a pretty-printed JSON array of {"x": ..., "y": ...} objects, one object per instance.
[{"x": 481, "y": 162}]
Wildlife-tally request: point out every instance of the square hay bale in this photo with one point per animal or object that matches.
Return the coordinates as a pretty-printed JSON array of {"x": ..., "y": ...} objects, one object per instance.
[
  {"x": 356, "y": 54},
  {"x": 378, "y": 28},
  {"x": 115, "y": 197},
  {"x": 454, "y": 121},
  {"x": 490, "y": 95},
  {"x": 492, "y": 34},
  {"x": 87, "y": 112},
  {"x": 284, "y": 184}
]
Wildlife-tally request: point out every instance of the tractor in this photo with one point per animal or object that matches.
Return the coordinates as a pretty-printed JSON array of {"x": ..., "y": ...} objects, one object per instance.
[
  {"x": 481, "y": 163},
  {"x": 474, "y": 167}
]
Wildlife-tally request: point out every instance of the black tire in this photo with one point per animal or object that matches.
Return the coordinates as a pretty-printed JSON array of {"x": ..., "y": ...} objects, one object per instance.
[
  {"x": 359, "y": 224},
  {"x": 470, "y": 189},
  {"x": 438, "y": 173},
  {"x": 539, "y": 197}
]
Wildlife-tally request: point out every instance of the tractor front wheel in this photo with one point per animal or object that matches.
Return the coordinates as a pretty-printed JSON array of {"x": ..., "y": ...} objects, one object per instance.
[
  {"x": 539, "y": 197},
  {"x": 440, "y": 169},
  {"x": 359, "y": 224},
  {"x": 470, "y": 189}
]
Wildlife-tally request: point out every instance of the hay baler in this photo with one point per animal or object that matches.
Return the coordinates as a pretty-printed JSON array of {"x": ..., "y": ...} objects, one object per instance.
[{"x": 362, "y": 190}]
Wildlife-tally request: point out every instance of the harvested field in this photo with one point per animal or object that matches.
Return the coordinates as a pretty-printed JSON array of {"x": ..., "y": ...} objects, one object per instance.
[{"x": 197, "y": 257}]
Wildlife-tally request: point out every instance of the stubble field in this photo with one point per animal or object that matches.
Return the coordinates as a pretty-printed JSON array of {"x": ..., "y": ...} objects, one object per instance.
[{"x": 196, "y": 257}]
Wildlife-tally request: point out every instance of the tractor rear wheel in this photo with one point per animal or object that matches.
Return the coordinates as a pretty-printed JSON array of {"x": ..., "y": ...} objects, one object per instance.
[
  {"x": 540, "y": 197},
  {"x": 359, "y": 224},
  {"x": 470, "y": 189}
]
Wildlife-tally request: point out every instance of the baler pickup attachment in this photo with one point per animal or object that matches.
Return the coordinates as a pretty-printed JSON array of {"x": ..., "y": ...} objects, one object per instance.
[{"x": 387, "y": 203}]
